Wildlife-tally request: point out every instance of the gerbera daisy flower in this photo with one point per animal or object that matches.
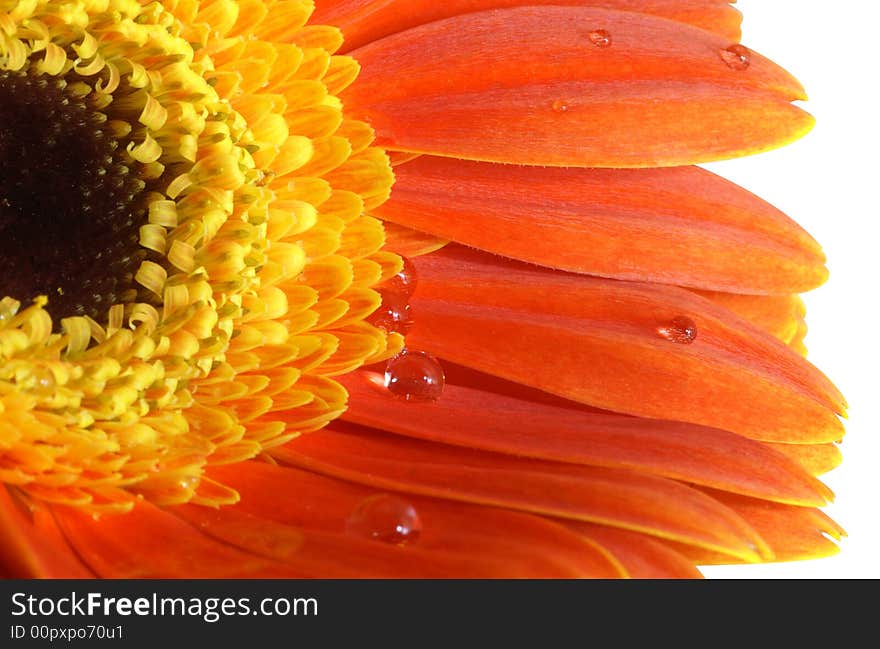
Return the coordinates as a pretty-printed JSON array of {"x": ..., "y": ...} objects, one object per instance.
[{"x": 400, "y": 289}]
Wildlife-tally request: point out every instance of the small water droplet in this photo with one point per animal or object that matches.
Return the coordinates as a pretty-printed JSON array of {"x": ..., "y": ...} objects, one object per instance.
[
  {"x": 385, "y": 518},
  {"x": 394, "y": 315},
  {"x": 189, "y": 482},
  {"x": 560, "y": 106},
  {"x": 7, "y": 312},
  {"x": 415, "y": 376},
  {"x": 737, "y": 57},
  {"x": 405, "y": 281},
  {"x": 44, "y": 380},
  {"x": 681, "y": 330},
  {"x": 600, "y": 38}
]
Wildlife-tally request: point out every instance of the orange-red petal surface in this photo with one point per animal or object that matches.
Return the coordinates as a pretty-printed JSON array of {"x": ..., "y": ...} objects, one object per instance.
[
  {"x": 793, "y": 533},
  {"x": 681, "y": 225},
  {"x": 814, "y": 458},
  {"x": 154, "y": 544},
  {"x": 530, "y": 85},
  {"x": 410, "y": 243},
  {"x": 602, "y": 342},
  {"x": 616, "y": 497},
  {"x": 644, "y": 557},
  {"x": 456, "y": 539},
  {"x": 31, "y": 546},
  {"x": 363, "y": 21},
  {"x": 782, "y": 316},
  {"x": 482, "y": 419},
  {"x": 340, "y": 556}
]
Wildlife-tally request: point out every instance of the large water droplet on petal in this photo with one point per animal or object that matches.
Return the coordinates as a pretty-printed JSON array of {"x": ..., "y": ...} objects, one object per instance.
[
  {"x": 737, "y": 57},
  {"x": 385, "y": 518},
  {"x": 415, "y": 376},
  {"x": 681, "y": 330},
  {"x": 405, "y": 281},
  {"x": 394, "y": 315},
  {"x": 560, "y": 106},
  {"x": 600, "y": 38}
]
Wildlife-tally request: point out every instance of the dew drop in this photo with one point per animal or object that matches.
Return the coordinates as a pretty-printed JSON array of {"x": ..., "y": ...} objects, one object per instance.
[
  {"x": 385, "y": 518},
  {"x": 681, "y": 330},
  {"x": 414, "y": 376},
  {"x": 405, "y": 281},
  {"x": 44, "y": 381},
  {"x": 189, "y": 482},
  {"x": 737, "y": 57},
  {"x": 560, "y": 106},
  {"x": 394, "y": 315},
  {"x": 600, "y": 38},
  {"x": 7, "y": 312}
]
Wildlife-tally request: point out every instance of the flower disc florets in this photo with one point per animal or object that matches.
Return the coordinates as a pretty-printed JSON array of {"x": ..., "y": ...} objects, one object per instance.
[{"x": 196, "y": 318}]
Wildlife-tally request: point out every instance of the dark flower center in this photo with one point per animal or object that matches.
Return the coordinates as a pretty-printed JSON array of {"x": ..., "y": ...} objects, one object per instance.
[{"x": 71, "y": 204}]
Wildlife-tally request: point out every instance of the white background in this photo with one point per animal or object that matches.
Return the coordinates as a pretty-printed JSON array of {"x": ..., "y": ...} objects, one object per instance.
[{"x": 829, "y": 182}]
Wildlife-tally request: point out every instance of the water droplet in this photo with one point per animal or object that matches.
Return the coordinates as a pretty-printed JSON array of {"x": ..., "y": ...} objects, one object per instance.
[
  {"x": 385, "y": 518},
  {"x": 737, "y": 57},
  {"x": 394, "y": 315},
  {"x": 681, "y": 330},
  {"x": 560, "y": 106},
  {"x": 189, "y": 482},
  {"x": 414, "y": 376},
  {"x": 7, "y": 311},
  {"x": 44, "y": 380},
  {"x": 405, "y": 281},
  {"x": 600, "y": 38}
]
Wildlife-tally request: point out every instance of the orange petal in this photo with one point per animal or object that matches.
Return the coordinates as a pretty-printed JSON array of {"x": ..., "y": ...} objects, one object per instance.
[
  {"x": 793, "y": 533},
  {"x": 410, "y": 243},
  {"x": 643, "y": 557},
  {"x": 601, "y": 342},
  {"x": 529, "y": 85},
  {"x": 616, "y": 497},
  {"x": 31, "y": 546},
  {"x": 336, "y": 556},
  {"x": 781, "y": 316},
  {"x": 816, "y": 459},
  {"x": 364, "y": 21},
  {"x": 154, "y": 544},
  {"x": 456, "y": 539},
  {"x": 485, "y": 420},
  {"x": 797, "y": 341},
  {"x": 682, "y": 225}
]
